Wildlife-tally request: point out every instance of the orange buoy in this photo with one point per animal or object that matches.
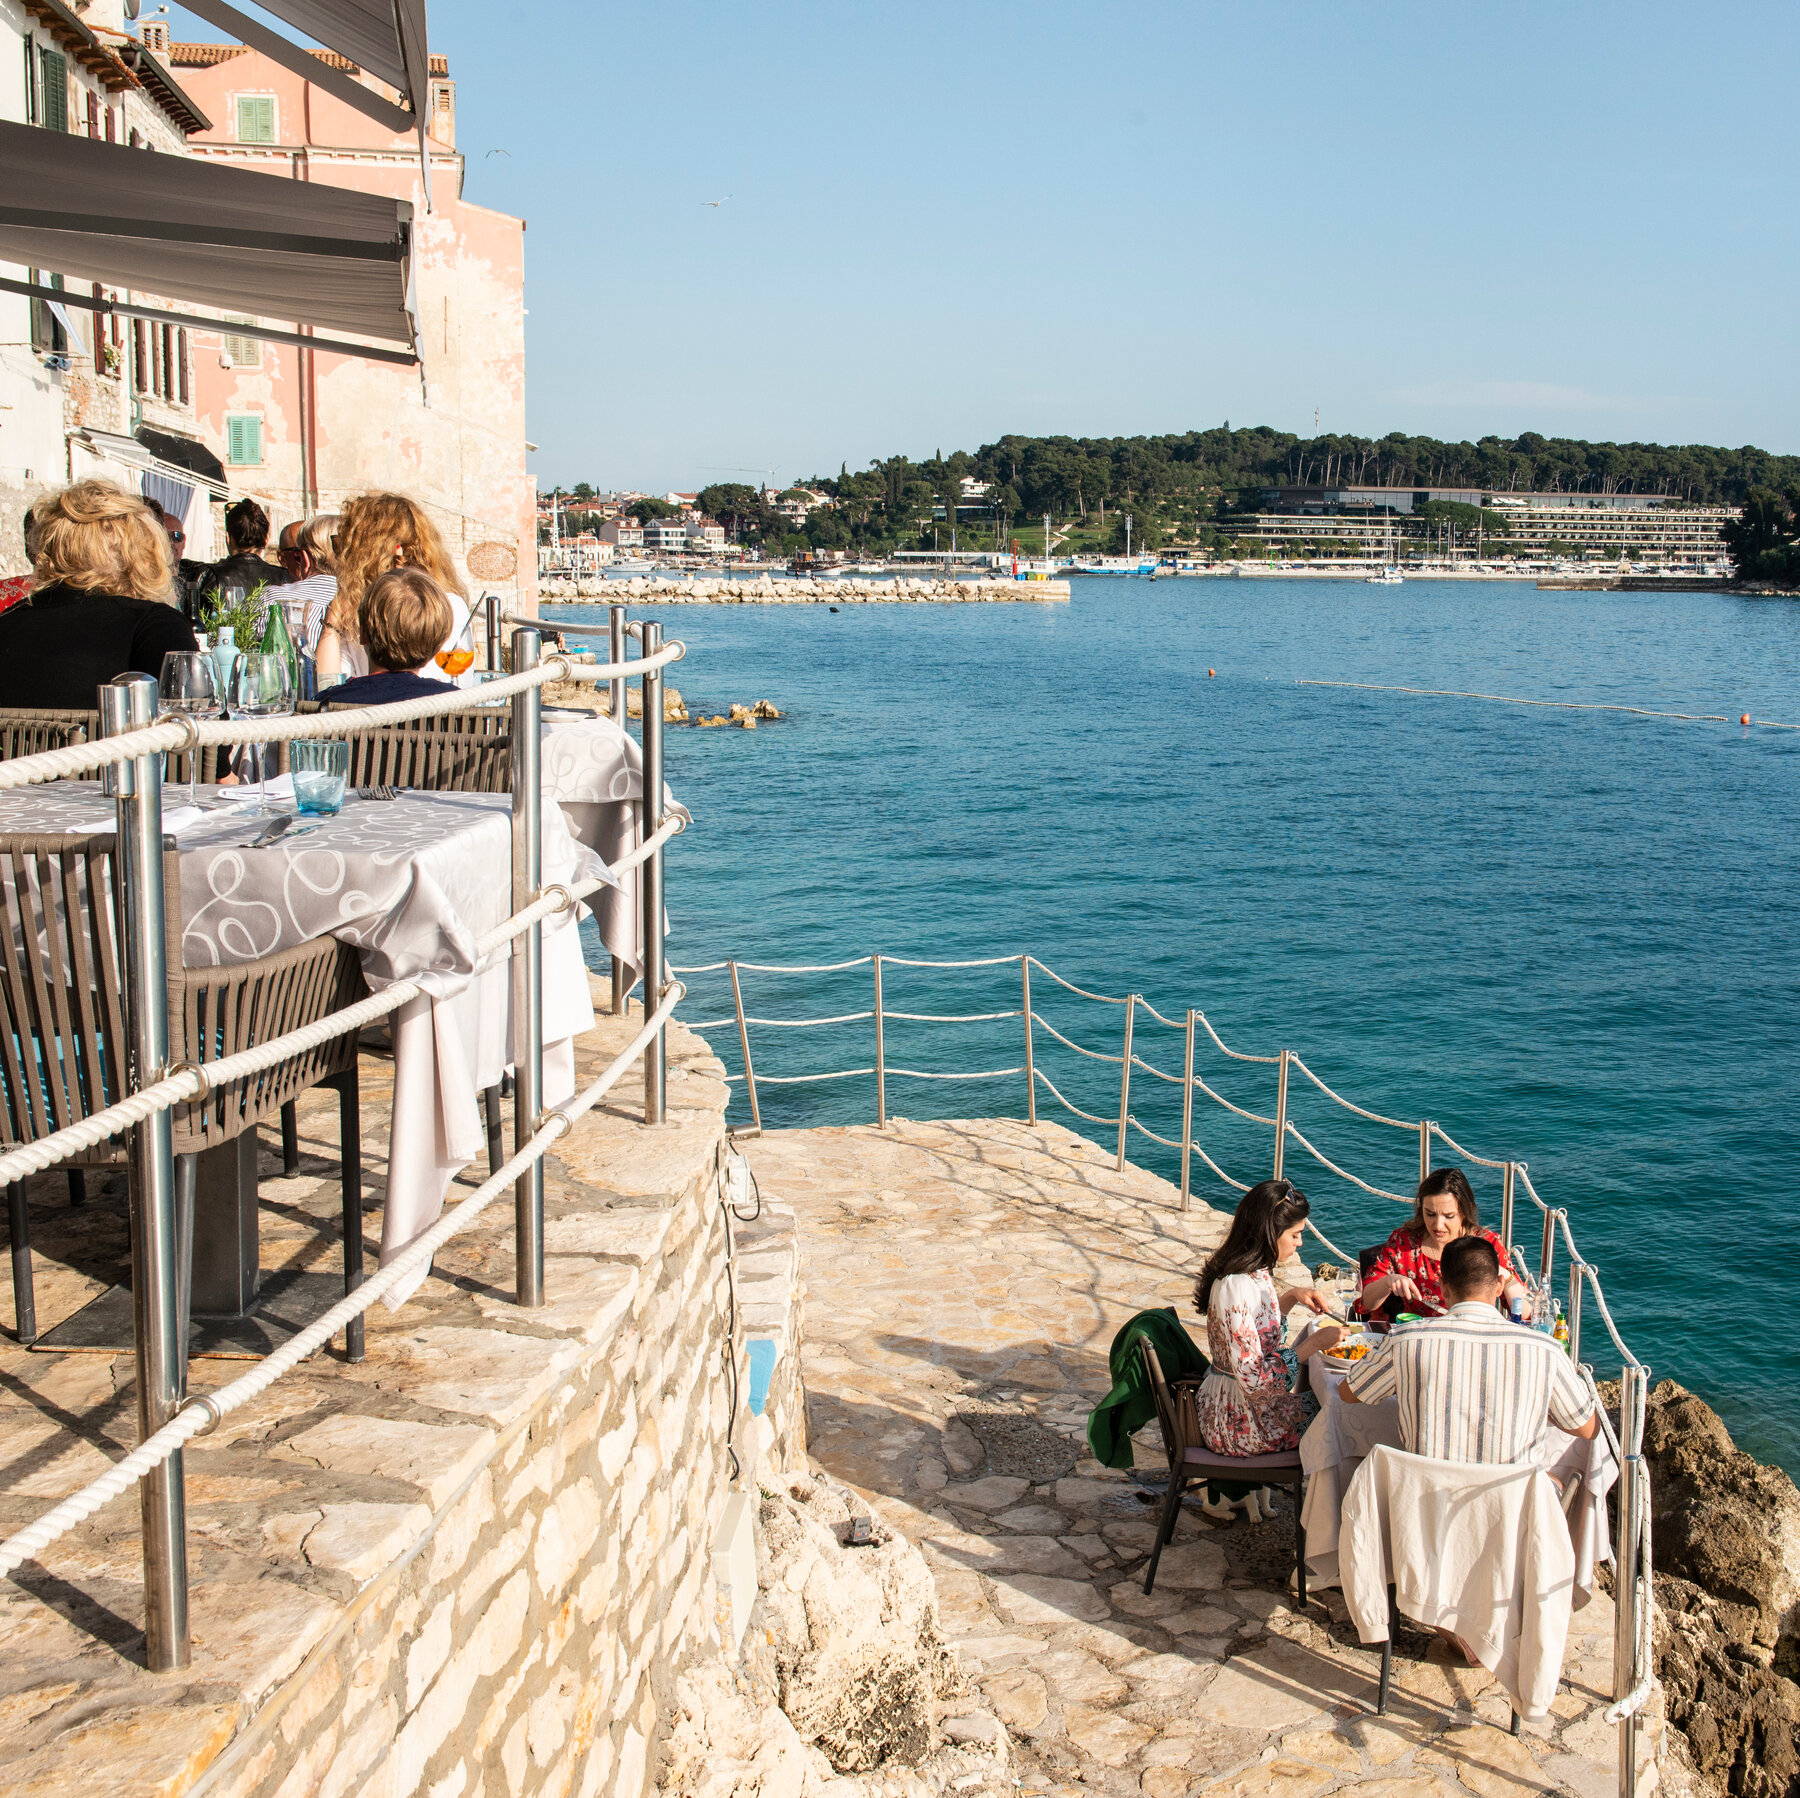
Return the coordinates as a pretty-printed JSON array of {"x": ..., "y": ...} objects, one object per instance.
[
  {"x": 1745, "y": 719},
  {"x": 1212, "y": 674}
]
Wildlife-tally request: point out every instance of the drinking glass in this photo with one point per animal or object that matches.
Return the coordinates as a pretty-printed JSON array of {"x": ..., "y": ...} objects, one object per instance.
[
  {"x": 320, "y": 769},
  {"x": 458, "y": 657},
  {"x": 261, "y": 687},
  {"x": 187, "y": 688}
]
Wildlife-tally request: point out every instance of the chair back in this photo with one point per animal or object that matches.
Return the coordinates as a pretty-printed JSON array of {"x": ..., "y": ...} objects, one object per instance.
[
  {"x": 1175, "y": 1434},
  {"x": 465, "y": 752},
  {"x": 64, "y": 1050},
  {"x": 28, "y": 730}
]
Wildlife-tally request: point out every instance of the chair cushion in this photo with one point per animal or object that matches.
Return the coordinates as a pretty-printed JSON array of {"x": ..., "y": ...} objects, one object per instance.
[{"x": 1288, "y": 1461}]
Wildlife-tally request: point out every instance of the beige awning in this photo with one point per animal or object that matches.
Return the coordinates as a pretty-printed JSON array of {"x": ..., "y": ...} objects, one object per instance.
[{"x": 193, "y": 229}]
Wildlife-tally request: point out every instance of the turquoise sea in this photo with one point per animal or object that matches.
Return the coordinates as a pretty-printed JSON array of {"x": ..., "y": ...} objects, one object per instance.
[{"x": 1568, "y": 936}]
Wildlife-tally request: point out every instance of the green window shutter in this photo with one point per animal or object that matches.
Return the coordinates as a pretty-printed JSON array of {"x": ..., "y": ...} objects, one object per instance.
[
  {"x": 253, "y": 431},
  {"x": 243, "y": 441},
  {"x": 245, "y": 352},
  {"x": 256, "y": 118},
  {"x": 55, "y": 67}
]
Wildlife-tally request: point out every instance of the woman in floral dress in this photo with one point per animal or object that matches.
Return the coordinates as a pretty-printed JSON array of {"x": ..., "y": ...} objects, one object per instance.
[{"x": 1247, "y": 1404}]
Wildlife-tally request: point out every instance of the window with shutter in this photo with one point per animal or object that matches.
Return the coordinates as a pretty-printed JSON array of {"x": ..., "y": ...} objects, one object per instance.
[
  {"x": 243, "y": 440},
  {"x": 93, "y": 111},
  {"x": 47, "y": 335},
  {"x": 181, "y": 364},
  {"x": 53, "y": 84},
  {"x": 140, "y": 374},
  {"x": 31, "y": 80},
  {"x": 245, "y": 352},
  {"x": 256, "y": 118}
]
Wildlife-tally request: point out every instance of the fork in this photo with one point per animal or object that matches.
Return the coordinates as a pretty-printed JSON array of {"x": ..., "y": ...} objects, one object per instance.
[{"x": 378, "y": 792}]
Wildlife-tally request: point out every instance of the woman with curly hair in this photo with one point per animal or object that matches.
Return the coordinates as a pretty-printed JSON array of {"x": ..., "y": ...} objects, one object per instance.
[
  {"x": 100, "y": 603},
  {"x": 380, "y": 531}
]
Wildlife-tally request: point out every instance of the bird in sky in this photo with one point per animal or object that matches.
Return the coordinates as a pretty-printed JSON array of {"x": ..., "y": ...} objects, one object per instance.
[
  {"x": 715, "y": 204},
  {"x": 506, "y": 153}
]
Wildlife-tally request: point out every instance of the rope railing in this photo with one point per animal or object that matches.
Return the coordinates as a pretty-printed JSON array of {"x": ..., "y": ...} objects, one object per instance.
[
  {"x": 1374, "y": 1117},
  {"x": 1091, "y": 1054},
  {"x": 202, "y": 1414}
]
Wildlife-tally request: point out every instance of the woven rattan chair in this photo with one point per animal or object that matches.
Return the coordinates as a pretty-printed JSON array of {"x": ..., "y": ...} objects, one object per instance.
[
  {"x": 64, "y": 1051},
  {"x": 465, "y": 752},
  {"x": 29, "y": 731},
  {"x": 1191, "y": 1463}
]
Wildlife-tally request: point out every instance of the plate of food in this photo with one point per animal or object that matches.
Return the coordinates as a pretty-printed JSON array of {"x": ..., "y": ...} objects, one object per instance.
[{"x": 1352, "y": 1347}]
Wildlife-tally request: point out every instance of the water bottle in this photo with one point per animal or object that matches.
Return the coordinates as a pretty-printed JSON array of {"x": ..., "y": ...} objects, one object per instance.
[
  {"x": 224, "y": 655},
  {"x": 278, "y": 641}
]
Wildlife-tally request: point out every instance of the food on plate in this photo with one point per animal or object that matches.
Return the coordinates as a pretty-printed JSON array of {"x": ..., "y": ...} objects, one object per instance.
[{"x": 1350, "y": 1351}]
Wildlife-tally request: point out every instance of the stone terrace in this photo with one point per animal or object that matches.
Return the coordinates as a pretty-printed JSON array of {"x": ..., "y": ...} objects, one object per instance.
[{"x": 964, "y": 1283}]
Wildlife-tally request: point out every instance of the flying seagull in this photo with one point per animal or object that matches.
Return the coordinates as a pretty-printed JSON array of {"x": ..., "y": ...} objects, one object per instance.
[
  {"x": 506, "y": 153},
  {"x": 715, "y": 204}
]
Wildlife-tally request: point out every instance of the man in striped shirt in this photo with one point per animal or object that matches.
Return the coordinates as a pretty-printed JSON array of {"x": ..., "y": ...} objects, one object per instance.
[{"x": 1472, "y": 1386}]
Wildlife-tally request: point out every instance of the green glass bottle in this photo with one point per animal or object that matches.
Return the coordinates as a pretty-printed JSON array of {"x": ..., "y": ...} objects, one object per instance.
[{"x": 278, "y": 641}]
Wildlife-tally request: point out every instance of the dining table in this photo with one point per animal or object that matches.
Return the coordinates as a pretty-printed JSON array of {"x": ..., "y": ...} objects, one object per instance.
[
  {"x": 1338, "y": 1440},
  {"x": 411, "y": 882}
]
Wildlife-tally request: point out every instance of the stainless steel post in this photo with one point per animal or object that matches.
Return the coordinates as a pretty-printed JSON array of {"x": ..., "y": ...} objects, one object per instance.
[
  {"x": 127, "y": 703},
  {"x": 1576, "y": 1270},
  {"x": 1125, "y": 1077},
  {"x": 1424, "y": 1149},
  {"x": 880, "y": 1055},
  {"x": 490, "y": 604},
  {"x": 1187, "y": 1111},
  {"x": 1508, "y": 1176},
  {"x": 1633, "y": 1384},
  {"x": 656, "y": 1056},
  {"x": 615, "y": 654},
  {"x": 737, "y": 999},
  {"x": 1547, "y": 1258},
  {"x": 1281, "y": 1083},
  {"x": 1030, "y": 1066},
  {"x": 528, "y": 970}
]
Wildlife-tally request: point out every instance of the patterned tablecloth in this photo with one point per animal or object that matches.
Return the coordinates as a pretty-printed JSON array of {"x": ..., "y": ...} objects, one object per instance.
[{"x": 412, "y": 882}]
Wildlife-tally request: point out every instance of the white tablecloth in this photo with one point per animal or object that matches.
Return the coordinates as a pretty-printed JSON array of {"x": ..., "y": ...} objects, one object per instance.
[
  {"x": 412, "y": 882},
  {"x": 1339, "y": 1438}
]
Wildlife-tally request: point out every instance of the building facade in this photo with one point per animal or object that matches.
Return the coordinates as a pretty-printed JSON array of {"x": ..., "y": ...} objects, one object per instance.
[{"x": 303, "y": 430}]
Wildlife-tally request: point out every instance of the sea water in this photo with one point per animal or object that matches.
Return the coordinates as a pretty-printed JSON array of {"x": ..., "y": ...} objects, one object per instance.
[{"x": 1568, "y": 936}]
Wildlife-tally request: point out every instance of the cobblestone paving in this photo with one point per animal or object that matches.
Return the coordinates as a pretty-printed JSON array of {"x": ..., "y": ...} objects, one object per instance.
[{"x": 964, "y": 1283}]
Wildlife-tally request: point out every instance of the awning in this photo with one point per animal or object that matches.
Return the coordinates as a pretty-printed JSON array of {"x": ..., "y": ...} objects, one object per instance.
[
  {"x": 158, "y": 452},
  {"x": 386, "y": 38},
  {"x": 199, "y": 230}
]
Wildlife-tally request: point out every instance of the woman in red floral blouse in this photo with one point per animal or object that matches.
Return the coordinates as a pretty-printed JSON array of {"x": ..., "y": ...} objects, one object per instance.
[{"x": 1409, "y": 1269}]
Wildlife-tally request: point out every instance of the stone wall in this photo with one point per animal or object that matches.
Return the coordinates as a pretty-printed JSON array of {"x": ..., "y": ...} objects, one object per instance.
[{"x": 767, "y": 590}]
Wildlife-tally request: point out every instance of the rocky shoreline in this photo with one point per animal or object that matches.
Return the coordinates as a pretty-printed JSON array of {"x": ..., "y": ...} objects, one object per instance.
[
  {"x": 768, "y": 590},
  {"x": 1726, "y": 1535}
]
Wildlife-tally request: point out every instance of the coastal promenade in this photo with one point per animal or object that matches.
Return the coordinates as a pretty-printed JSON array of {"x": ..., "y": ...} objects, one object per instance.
[
  {"x": 964, "y": 1281},
  {"x": 793, "y": 590}
]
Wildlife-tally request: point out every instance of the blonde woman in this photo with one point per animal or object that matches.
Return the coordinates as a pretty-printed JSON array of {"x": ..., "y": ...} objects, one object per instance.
[
  {"x": 100, "y": 604},
  {"x": 381, "y": 531}
]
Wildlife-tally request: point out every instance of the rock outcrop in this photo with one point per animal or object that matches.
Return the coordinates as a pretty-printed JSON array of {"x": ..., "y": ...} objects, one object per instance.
[
  {"x": 845, "y": 1685},
  {"x": 1727, "y": 1541}
]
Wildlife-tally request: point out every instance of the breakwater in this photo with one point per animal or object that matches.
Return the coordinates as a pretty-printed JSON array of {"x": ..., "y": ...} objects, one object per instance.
[{"x": 772, "y": 590}]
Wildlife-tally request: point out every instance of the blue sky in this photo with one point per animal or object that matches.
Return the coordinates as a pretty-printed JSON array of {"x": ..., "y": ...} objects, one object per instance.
[{"x": 948, "y": 222}]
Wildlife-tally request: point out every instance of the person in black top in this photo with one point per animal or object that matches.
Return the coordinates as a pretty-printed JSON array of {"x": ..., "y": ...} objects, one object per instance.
[
  {"x": 101, "y": 604},
  {"x": 246, "y": 536},
  {"x": 403, "y": 621}
]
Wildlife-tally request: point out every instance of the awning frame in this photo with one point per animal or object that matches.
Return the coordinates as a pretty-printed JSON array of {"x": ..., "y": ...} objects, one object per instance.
[{"x": 227, "y": 327}]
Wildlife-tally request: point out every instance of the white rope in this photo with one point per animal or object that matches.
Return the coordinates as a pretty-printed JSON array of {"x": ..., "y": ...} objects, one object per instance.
[
  {"x": 28, "y": 1543},
  {"x": 1374, "y": 1117},
  {"x": 711, "y": 967},
  {"x": 706, "y": 1023},
  {"x": 1455, "y": 1147},
  {"x": 1241, "y": 1185},
  {"x": 1634, "y": 1700},
  {"x": 801, "y": 1079},
  {"x": 1091, "y": 1054},
  {"x": 1348, "y": 1260},
  {"x": 986, "y": 961},
  {"x": 1220, "y": 1099},
  {"x": 188, "y": 733},
  {"x": 1147, "y": 1006},
  {"x": 767, "y": 967},
  {"x": 848, "y": 1017},
  {"x": 953, "y": 1017},
  {"x": 986, "y": 1074},
  {"x": 1342, "y": 1174},
  {"x": 1138, "y": 1061},
  {"x": 1131, "y": 1118},
  {"x": 1103, "y": 998},
  {"x": 1236, "y": 1055},
  {"x": 1065, "y": 1103}
]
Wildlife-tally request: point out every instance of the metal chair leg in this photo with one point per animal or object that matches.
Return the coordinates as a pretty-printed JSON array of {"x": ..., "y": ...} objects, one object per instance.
[
  {"x": 1387, "y": 1655},
  {"x": 18, "y": 1225},
  {"x": 77, "y": 1186},
  {"x": 290, "y": 1139},
  {"x": 187, "y": 1180},
  {"x": 1513, "y": 1729},
  {"x": 1299, "y": 1547},
  {"x": 1165, "y": 1529},
  {"x": 490, "y": 1100},
  {"x": 350, "y": 1155}
]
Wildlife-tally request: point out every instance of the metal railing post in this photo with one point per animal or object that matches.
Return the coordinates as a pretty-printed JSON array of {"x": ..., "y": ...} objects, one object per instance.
[
  {"x": 1281, "y": 1083},
  {"x": 737, "y": 999},
  {"x": 1424, "y": 1149},
  {"x": 656, "y": 1056},
  {"x": 1576, "y": 1270},
  {"x": 1627, "y": 1625},
  {"x": 1547, "y": 1258},
  {"x": 615, "y": 654},
  {"x": 1187, "y": 1111},
  {"x": 527, "y": 971},
  {"x": 880, "y": 1055},
  {"x": 156, "y": 1275},
  {"x": 1030, "y": 1065},
  {"x": 1508, "y": 1176},
  {"x": 1125, "y": 1077},
  {"x": 490, "y": 605}
]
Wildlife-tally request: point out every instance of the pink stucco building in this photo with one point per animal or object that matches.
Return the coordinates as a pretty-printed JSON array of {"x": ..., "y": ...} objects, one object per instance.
[{"x": 302, "y": 430}]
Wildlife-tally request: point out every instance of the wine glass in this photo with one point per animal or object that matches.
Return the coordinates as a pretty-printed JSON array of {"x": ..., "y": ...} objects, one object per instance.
[
  {"x": 188, "y": 688},
  {"x": 261, "y": 687},
  {"x": 458, "y": 657}
]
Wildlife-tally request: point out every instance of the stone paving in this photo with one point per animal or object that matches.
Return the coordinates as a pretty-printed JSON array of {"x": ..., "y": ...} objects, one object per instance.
[{"x": 964, "y": 1283}]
